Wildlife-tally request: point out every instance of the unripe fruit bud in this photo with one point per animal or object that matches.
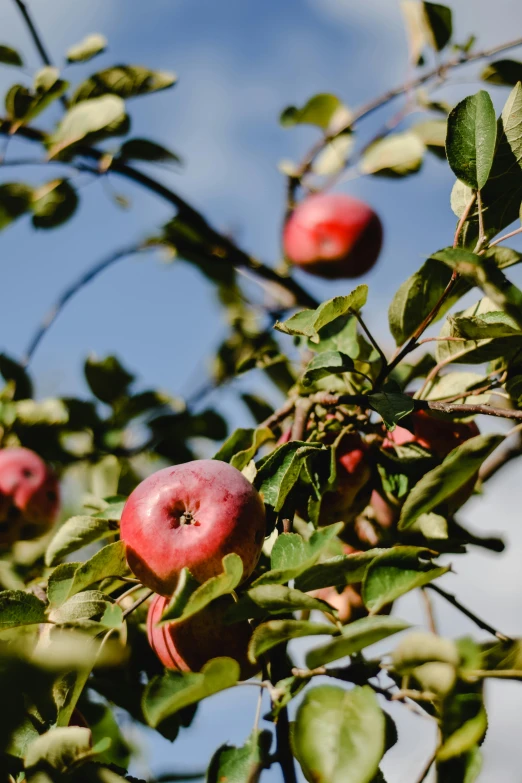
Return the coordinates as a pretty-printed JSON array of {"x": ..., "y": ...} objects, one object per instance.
[
  {"x": 188, "y": 645},
  {"x": 333, "y": 236},
  {"x": 191, "y": 516},
  {"x": 29, "y": 495}
]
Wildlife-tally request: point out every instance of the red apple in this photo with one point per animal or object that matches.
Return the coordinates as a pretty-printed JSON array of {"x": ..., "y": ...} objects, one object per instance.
[
  {"x": 29, "y": 495},
  {"x": 437, "y": 435},
  {"x": 353, "y": 485},
  {"x": 333, "y": 235},
  {"x": 191, "y": 516},
  {"x": 77, "y": 719},
  {"x": 349, "y": 603},
  {"x": 188, "y": 645}
]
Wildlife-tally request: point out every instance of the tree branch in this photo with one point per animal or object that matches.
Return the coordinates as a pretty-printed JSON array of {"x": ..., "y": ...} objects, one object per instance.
[
  {"x": 385, "y": 98},
  {"x": 478, "y": 622},
  {"x": 72, "y": 290},
  {"x": 501, "y": 458},
  {"x": 323, "y": 398},
  {"x": 232, "y": 253}
]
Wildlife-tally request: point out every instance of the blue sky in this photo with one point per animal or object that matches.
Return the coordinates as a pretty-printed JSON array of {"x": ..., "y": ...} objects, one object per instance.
[{"x": 239, "y": 63}]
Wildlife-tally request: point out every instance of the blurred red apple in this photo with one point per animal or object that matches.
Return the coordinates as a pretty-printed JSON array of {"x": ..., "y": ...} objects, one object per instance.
[
  {"x": 333, "y": 236},
  {"x": 353, "y": 485},
  {"x": 29, "y": 495}
]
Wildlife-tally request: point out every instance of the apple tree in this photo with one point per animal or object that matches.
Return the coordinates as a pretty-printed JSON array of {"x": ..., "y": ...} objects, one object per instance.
[{"x": 172, "y": 577}]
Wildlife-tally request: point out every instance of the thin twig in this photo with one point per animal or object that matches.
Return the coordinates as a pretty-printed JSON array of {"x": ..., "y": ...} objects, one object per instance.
[
  {"x": 371, "y": 338},
  {"x": 278, "y": 416},
  {"x": 302, "y": 411},
  {"x": 500, "y": 458},
  {"x": 432, "y": 625},
  {"x": 224, "y": 250},
  {"x": 468, "y": 613},
  {"x": 71, "y": 291},
  {"x": 463, "y": 219},
  {"x": 137, "y": 603},
  {"x": 385, "y": 98},
  {"x": 506, "y": 236}
]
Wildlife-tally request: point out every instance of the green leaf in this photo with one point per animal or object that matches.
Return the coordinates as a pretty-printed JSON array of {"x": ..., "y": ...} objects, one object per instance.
[
  {"x": 51, "y": 412},
  {"x": 103, "y": 723},
  {"x": 76, "y": 533},
  {"x": 23, "y": 104},
  {"x": 397, "y": 155},
  {"x": 339, "y": 735},
  {"x": 170, "y": 692},
  {"x": 486, "y": 326},
  {"x": 60, "y": 582},
  {"x": 505, "y": 72},
  {"x": 391, "y": 406},
  {"x": 334, "y": 155},
  {"x": 474, "y": 351},
  {"x": 339, "y": 570},
  {"x": 91, "y": 116},
  {"x": 275, "y": 632},
  {"x": 432, "y": 133},
  {"x": 124, "y": 81},
  {"x": 9, "y": 56},
  {"x": 455, "y": 383},
  {"x": 324, "y": 110},
  {"x": 20, "y": 608},
  {"x": 325, "y": 364},
  {"x": 279, "y": 472},
  {"x": 53, "y": 203},
  {"x": 355, "y": 637},
  {"x": 416, "y": 298},
  {"x": 109, "y": 561},
  {"x": 291, "y": 555},
  {"x": 190, "y": 597},
  {"x": 149, "y": 151},
  {"x": 274, "y": 600},
  {"x": 13, "y": 371},
  {"x": 419, "y": 647},
  {"x": 471, "y": 139},
  {"x": 484, "y": 273},
  {"x": 87, "y": 48},
  {"x": 241, "y": 765},
  {"x": 439, "y": 23},
  {"x": 243, "y": 445},
  {"x": 438, "y": 484},
  {"x": 88, "y": 605},
  {"x": 15, "y": 200},
  {"x": 309, "y": 322},
  {"x": 396, "y": 572},
  {"x": 107, "y": 378},
  {"x": 58, "y": 750},
  {"x": 502, "y": 194},
  {"x": 470, "y": 733}
]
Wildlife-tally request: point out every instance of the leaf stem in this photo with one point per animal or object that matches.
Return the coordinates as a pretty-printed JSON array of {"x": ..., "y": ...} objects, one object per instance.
[{"x": 451, "y": 599}]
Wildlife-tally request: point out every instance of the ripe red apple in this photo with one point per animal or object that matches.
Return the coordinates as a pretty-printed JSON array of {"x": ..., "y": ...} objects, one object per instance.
[
  {"x": 333, "y": 235},
  {"x": 437, "y": 435},
  {"x": 187, "y": 646},
  {"x": 353, "y": 485},
  {"x": 29, "y": 495},
  {"x": 191, "y": 516}
]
